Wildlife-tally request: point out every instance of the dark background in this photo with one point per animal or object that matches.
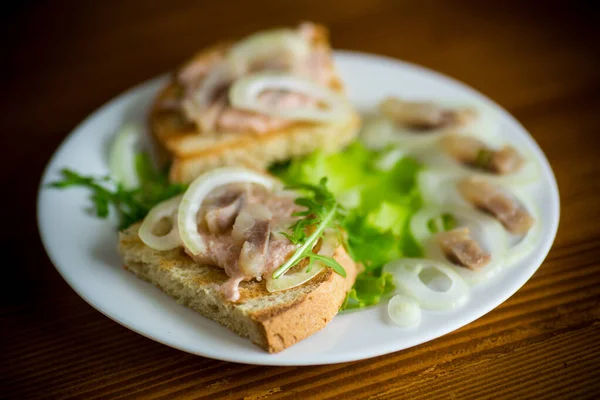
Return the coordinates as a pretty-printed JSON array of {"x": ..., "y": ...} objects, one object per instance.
[{"x": 63, "y": 59}]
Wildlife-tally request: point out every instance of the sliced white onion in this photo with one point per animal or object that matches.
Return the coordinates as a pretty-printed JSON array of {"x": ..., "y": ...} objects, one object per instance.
[
  {"x": 406, "y": 273},
  {"x": 262, "y": 45},
  {"x": 404, "y": 311},
  {"x": 487, "y": 231},
  {"x": 439, "y": 187},
  {"x": 199, "y": 189},
  {"x": 388, "y": 160},
  {"x": 122, "y": 157},
  {"x": 419, "y": 222},
  {"x": 217, "y": 78},
  {"x": 435, "y": 157},
  {"x": 244, "y": 94},
  {"x": 379, "y": 131},
  {"x": 165, "y": 209},
  {"x": 486, "y": 125},
  {"x": 288, "y": 281}
]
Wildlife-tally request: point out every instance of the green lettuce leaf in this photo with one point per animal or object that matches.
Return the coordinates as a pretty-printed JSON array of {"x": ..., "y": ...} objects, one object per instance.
[
  {"x": 368, "y": 290},
  {"x": 379, "y": 203}
]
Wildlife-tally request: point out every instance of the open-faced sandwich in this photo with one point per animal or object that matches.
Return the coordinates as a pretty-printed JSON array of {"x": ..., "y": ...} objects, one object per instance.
[
  {"x": 269, "y": 97},
  {"x": 265, "y": 262}
]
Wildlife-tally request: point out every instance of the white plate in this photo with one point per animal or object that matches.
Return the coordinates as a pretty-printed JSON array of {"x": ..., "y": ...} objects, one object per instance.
[{"x": 83, "y": 247}]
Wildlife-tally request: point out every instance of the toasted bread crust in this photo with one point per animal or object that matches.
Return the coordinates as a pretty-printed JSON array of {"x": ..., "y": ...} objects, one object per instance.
[
  {"x": 273, "y": 321},
  {"x": 198, "y": 153},
  {"x": 190, "y": 152}
]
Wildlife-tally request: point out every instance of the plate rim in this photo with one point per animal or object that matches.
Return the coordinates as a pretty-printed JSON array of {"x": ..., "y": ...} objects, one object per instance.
[{"x": 541, "y": 252}]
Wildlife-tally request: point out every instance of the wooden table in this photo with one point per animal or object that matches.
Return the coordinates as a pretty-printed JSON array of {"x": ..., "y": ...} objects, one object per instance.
[{"x": 62, "y": 60}]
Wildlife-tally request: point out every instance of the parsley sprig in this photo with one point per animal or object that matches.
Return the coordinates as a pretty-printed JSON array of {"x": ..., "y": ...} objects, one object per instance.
[
  {"x": 130, "y": 205},
  {"x": 322, "y": 212}
]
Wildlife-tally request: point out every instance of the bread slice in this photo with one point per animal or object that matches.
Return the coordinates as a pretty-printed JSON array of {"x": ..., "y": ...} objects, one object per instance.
[
  {"x": 179, "y": 142},
  {"x": 273, "y": 321}
]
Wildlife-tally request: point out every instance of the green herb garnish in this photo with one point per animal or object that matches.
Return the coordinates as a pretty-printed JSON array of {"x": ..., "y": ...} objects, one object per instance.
[
  {"x": 322, "y": 212},
  {"x": 442, "y": 223},
  {"x": 484, "y": 158},
  {"x": 130, "y": 205}
]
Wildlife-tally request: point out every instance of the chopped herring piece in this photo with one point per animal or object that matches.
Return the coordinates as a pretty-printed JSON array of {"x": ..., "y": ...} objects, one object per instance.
[
  {"x": 224, "y": 195},
  {"x": 234, "y": 120},
  {"x": 250, "y": 249},
  {"x": 252, "y": 259},
  {"x": 461, "y": 249},
  {"x": 247, "y": 219},
  {"x": 318, "y": 66},
  {"x": 208, "y": 118},
  {"x": 276, "y": 64},
  {"x": 221, "y": 217},
  {"x": 424, "y": 115},
  {"x": 283, "y": 99},
  {"x": 200, "y": 66},
  {"x": 515, "y": 218},
  {"x": 473, "y": 152},
  {"x": 506, "y": 160},
  {"x": 230, "y": 288},
  {"x": 204, "y": 103}
]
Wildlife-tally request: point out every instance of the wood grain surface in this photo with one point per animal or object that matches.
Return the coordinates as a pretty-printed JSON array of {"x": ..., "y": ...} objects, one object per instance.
[{"x": 61, "y": 60}]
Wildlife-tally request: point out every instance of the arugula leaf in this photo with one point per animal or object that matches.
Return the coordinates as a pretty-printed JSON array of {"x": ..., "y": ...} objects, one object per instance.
[
  {"x": 322, "y": 212},
  {"x": 130, "y": 205},
  {"x": 330, "y": 262}
]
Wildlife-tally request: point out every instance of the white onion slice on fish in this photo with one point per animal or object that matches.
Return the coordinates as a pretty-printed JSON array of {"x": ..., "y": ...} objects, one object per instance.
[
  {"x": 262, "y": 45},
  {"x": 435, "y": 157},
  {"x": 487, "y": 124},
  {"x": 388, "y": 159},
  {"x": 404, "y": 311},
  {"x": 244, "y": 94},
  {"x": 121, "y": 163},
  {"x": 291, "y": 280},
  {"x": 406, "y": 273},
  {"x": 438, "y": 187},
  {"x": 199, "y": 189},
  {"x": 522, "y": 246},
  {"x": 484, "y": 229},
  {"x": 379, "y": 131},
  {"x": 166, "y": 209}
]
